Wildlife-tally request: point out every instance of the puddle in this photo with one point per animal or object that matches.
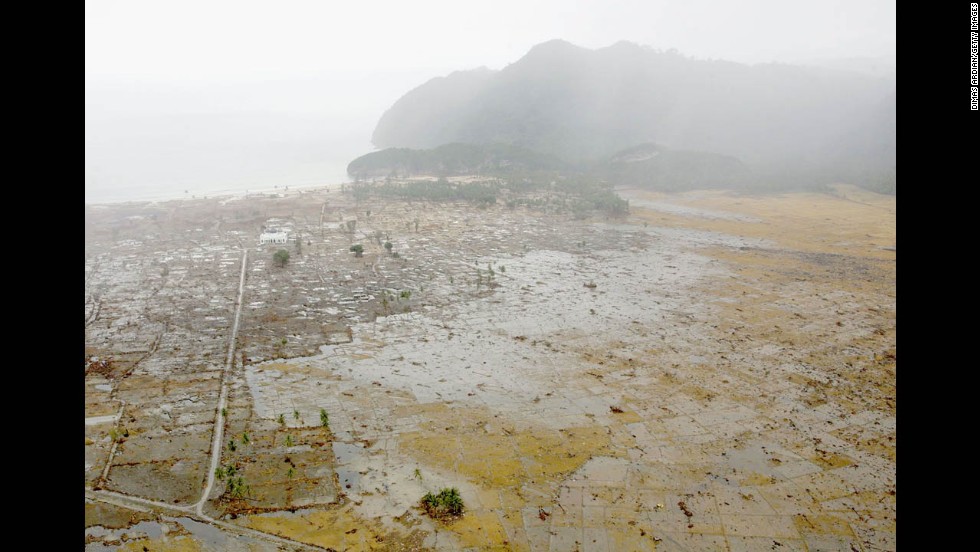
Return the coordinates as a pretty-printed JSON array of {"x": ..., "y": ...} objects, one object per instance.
[
  {"x": 142, "y": 530},
  {"x": 97, "y": 531},
  {"x": 206, "y": 534},
  {"x": 688, "y": 211},
  {"x": 348, "y": 457}
]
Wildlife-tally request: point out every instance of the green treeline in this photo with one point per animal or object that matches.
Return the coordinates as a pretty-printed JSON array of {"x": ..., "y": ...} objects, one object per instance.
[{"x": 578, "y": 195}]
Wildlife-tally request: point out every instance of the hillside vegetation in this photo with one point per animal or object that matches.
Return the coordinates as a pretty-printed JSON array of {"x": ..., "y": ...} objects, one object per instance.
[{"x": 786, "y": 125}]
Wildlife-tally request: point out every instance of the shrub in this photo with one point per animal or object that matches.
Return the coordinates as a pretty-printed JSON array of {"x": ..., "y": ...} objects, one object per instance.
[
  {"x": 281, "y": 257},
  {"x": 447, "y": 503}
]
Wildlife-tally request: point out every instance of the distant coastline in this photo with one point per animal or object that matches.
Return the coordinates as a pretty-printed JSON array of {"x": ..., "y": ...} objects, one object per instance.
[{"x": 156, "y": 194}]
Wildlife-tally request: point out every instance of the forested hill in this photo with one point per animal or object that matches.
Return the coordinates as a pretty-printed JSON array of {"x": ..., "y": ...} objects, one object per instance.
[
  {"x": 647, "y": 166},
  {"x": 452, "y": 159},
  {"x": 585, "y": 105}
]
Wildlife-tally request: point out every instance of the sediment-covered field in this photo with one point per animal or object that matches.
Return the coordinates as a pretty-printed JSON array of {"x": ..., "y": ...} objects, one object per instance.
[{"x": 712, "y": 372}]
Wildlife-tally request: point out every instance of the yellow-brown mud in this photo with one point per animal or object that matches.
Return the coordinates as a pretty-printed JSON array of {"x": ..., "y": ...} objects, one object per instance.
[
  {"x": 847, "y": 221},
  {"x": 113, "y": 517},
  {"x": 336, "y": 528},
  {"x": 822, "y": 296},
  {"x": 513, "y": 467},
  {"x": 826, "y": 288}
]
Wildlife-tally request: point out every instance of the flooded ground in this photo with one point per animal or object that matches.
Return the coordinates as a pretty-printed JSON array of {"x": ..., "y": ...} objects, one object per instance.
[{"x": 714, "y": 372}]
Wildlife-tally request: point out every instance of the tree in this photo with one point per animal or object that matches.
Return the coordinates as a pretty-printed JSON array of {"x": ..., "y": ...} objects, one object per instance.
[
  {"x": 388, "y": 246},
  {"x": 358, "y": 250},
  {"x": 281, "y": 257},
  {"x": 238, "y": 488}
]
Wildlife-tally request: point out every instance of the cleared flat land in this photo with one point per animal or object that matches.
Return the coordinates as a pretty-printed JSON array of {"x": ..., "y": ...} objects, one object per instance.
[{"x": 713, "y": 372}]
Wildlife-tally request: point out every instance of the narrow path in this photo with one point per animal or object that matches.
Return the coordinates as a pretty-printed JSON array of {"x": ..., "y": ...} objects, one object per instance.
[
  {"x": 115, "y": 442},
  {"x": 219, "y": 422},
  {"x": 145, "y": 505},
  {"x": 132, "y": 502}
]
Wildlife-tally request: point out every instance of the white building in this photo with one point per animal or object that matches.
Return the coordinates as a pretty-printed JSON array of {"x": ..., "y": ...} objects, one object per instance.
[{"x": 273, "y": 235}]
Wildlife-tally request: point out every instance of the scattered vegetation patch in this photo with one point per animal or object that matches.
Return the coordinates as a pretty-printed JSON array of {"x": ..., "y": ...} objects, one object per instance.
[
  {"x": 119, "y": 435},
  {"x": 225, "y": 471},
  {"x": 578, "y": 195},
  {"x": 479, "y": 193},
  {"x": 280, "y": 258},
  {"x": 446, "y": 504},
  {"x": 238, "y": 488}
]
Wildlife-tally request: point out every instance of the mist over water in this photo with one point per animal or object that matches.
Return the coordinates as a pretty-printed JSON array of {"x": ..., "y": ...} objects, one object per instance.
[
  {"x": 156, "y": 141},
  {"x": 166, "y": 157}
]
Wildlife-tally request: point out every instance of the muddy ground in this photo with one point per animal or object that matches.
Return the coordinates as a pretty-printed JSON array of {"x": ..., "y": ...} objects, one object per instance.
[{"x": 714, "y": 372}]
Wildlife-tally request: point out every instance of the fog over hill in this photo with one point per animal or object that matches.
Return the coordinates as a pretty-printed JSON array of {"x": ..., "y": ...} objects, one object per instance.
[{"x": 788, "y": 124}]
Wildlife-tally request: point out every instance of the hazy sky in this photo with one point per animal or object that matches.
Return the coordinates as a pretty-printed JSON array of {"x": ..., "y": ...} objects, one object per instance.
[{"x": 169, "y": 82}]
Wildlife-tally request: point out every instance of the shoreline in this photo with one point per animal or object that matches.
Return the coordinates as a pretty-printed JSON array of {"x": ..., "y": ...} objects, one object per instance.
[{"x": 226, "y": 195}]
